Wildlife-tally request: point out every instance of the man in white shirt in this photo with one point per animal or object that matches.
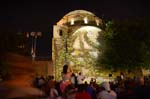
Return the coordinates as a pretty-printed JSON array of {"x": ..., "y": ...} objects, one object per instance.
[
  {"x": 107, "y": 93},
  {"x": 80, "y": 78}
]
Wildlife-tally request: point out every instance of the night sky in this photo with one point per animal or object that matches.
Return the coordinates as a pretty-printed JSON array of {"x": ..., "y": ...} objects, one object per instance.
[{"x": 28, "y": 15}]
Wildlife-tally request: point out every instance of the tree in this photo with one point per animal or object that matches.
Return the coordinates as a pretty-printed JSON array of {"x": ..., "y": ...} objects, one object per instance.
[{"x": 127, "y": 44}]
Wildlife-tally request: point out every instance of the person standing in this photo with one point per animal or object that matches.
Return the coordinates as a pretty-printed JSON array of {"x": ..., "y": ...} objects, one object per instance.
[
  {"x": 80, "y": 78},
  {"x": 106, "y": 93}
]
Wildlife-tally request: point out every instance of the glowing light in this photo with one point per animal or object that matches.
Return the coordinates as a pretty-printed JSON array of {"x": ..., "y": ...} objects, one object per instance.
[
  {"x": 97, "y": 22},
  {"x": 72, "y": 21},
  {"x": 86, "y": 20}
]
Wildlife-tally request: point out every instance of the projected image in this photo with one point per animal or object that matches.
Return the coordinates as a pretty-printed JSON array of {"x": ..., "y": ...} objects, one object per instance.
[
  {"x": 85, "y": 41},
  {"x": 85, "y": 48}
]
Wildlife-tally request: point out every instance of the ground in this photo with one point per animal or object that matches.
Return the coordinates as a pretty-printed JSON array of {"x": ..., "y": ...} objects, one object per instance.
[{"x": 21, "y": 72}]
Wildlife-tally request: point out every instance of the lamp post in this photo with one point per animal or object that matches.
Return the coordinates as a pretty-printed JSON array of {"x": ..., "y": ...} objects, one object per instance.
[{"x": 34, "y": 35}]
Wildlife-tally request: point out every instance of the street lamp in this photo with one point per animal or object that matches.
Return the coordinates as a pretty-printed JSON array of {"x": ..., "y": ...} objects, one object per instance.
[{"x": 34, "y": 35}]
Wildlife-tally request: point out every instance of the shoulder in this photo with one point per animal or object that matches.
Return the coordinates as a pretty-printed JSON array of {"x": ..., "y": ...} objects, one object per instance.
[{"x": 113, "y": 93}]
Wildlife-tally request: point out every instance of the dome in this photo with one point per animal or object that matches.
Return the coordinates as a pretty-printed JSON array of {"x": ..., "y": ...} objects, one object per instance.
[
  {"x": 81, "y": 12},
  {"x": 79, "y": 16}
]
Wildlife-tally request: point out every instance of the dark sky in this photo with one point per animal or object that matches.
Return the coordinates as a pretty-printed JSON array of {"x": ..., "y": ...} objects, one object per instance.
[{"x": 41, "y": 15}]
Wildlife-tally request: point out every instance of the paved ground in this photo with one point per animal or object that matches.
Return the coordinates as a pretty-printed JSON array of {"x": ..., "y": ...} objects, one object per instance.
[{"x": 19, "y": 83}]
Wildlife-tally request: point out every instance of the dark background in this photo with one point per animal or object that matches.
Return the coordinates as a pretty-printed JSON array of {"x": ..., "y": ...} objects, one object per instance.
[{"x": 27, "y": 16}]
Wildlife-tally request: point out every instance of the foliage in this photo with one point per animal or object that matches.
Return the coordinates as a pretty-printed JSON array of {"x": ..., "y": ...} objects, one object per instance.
[{"x": 127, "y": 44}]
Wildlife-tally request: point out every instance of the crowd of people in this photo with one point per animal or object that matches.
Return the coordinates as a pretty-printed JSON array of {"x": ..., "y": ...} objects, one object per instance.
[{"x": 73, "y": 87}]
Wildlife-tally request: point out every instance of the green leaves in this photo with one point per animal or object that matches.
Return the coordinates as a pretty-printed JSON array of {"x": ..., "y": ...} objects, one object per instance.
[{"x": 127, "y": 44}]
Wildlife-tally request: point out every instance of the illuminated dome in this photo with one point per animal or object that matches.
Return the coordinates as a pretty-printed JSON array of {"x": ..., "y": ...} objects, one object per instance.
[
  {"x": 80, "y": 17},
  {"x": 79, "y": 12}
]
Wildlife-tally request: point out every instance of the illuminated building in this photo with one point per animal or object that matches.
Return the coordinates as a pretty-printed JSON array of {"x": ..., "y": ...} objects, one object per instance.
[{"x": 75, "y": 42}]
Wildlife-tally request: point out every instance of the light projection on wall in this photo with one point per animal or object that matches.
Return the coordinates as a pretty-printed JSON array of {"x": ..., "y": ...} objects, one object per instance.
[
  {"x": 85, "y": 48},
  {"x": 86, "y": 39}
]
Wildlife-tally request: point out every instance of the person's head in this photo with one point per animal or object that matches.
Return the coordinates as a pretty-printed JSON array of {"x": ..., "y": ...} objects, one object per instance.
[
  {"x": 52, "y": 77},
  {"x": 73, "y": 75},
  {"x": 65, "y": 68},
  {"x": 106, "y": 86},
  {"x": 81, "y": 88},
  {"x": 70, "y": 92},
  {"x": 80, "y": 73},
  {"x": 139, "y": 80}
]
